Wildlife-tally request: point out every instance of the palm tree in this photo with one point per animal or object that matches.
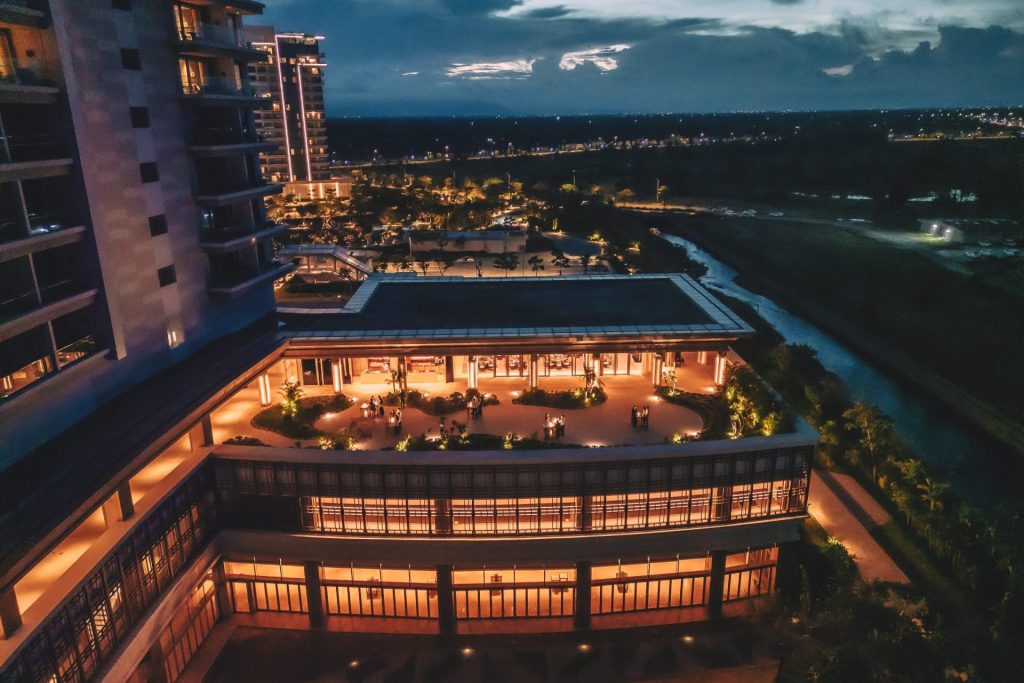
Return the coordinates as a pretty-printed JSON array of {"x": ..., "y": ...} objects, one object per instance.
[
  {"x": 875, "y": 431},
  {"x": 536, "y": 264},
  {"x": 404, "y": 265},
  {"x": 932, "y": 493},
  {"x": 560, "y": 260},
  {"x": 424, "y": 265},
  {"x": 507, "y": 261}
]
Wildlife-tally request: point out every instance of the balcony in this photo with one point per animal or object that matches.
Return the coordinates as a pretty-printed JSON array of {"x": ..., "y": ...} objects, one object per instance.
[
  {"x": 210, "y": 40},
  {"x": 235, "y": 282},
  {"x": 28, "y": 86},
  {"x": 210, "y": 142},
  {"x": 224, "y": 90},
  {"x": 15, "y": 243},
  {"x": 223, "y": 240},
  {"x": 23, "y": 157},
  {"x": 24, "y": 13},
  {"x": 224, "y": 194},
  {"x": 25, "y": 310}
]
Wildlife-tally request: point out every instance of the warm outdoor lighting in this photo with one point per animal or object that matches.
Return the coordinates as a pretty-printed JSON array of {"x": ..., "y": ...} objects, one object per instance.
[
  {"x": 687, "y": 639},
  {"x": 583, "y": 647},
  {"x": 468, "y": 652},
  {"x": 354, "y": 664}
]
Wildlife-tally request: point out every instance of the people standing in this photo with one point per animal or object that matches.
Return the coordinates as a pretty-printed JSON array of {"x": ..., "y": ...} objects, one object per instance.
[
  {"x": 645, "y": 416},
  {"x": 634, "y": 415}
]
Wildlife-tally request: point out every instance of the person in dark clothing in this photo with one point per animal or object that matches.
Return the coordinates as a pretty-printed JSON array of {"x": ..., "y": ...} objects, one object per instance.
[{"x": 634, "y": 415}]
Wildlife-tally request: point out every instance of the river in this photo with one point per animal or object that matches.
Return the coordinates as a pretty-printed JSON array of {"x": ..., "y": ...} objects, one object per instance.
[{"x": 982, "y": 472}]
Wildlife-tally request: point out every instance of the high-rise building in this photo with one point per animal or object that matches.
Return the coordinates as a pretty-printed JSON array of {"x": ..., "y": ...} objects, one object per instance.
[
  {"x": 132, "y": 225},
  {"x": 290, "y": 83}
]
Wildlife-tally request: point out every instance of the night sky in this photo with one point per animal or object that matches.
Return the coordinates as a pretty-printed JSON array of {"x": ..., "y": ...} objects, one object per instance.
[{"x": 485, "y": 57}]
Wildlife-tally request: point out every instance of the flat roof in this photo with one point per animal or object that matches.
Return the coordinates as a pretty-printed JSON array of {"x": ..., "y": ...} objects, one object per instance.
[{"x": 455, "y": 307}]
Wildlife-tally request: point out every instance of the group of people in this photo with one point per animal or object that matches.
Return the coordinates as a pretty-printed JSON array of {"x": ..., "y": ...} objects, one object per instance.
[
  {"x": 376, "y": 406},
  {"x": 554, "y": 427},
  {"x": 457, "y": 429},
  {"x": 475, "y": 406},
  {"x": 639, "y": 417},
  {"x": 395, "y": 421}
]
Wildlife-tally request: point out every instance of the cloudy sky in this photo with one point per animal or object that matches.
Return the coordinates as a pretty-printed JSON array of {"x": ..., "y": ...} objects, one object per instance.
[{"x": 439, "y": 57}]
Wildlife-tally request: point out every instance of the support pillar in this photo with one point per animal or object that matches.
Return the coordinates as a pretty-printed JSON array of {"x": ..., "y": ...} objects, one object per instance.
[
  {"x": 720, "y": 365},
  {"x": 445, "y": 600},
  {"x": 449, "y": 369},
  {"x": 224, "y": 604},
  {"x": 581, "y": 608},
  {"x": 201, "y": 434},
  {"x": 10, "y": 614},
  {"x": 534, "y": 371},
  {"x": 472, "y": 373},
  {"x": 585, "y": 517},
  {"x": 656, "y": 370},
  {"x": 402, "y": 379},
  {"x": 125, "y": 504},
  {"x": 716, "y": 584},
  {"x": 443, "y": 516},
  {"x": 721, "y": 504},
  {"x": 702, "y": 358},
  {"x": 337, "y": 375},
  {"x": 597, "y": 365},
  {"x": 313, "y": 594},
  {"x": 157, "y": 672},
  {"x": 266, "y": 395}
]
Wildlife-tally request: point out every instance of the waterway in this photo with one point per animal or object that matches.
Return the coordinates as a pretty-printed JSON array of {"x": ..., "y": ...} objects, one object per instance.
[{"x": 982, "y": 471}]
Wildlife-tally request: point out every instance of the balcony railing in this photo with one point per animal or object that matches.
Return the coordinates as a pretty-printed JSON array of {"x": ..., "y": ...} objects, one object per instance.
[
  {"x": 224, "y": 36},
  {"x": 220, "y": 86},
  {"x": 224, "y": 136},
  {"x": 17, "y": 148},
  {"x": 24, "y": 76},
  {"x": 225, "y": 278}
]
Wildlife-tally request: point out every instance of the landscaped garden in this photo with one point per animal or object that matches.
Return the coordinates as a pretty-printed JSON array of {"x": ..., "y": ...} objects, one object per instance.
[
  {"x": 440, "y": 405},
  {"x": 296, "y": 415}
]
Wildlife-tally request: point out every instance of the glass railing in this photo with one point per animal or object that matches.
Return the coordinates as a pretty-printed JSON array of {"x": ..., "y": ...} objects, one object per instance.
[
  {"x": 27, "y": 76},
  {"x": 235, "y": 276},
  {"x": 210, "y": 33},
  {"x": 46, "y": 222},
  {"x": 25, "y": 376},
  {"x": 223, "y": 136},
  {"x": 55, "y": 291},
  {"x": 17, "y": 148},
  {"x": 15, "y": 304},
  {"x": 218, "y": 85},
  {"x": 77, "y": 350}
]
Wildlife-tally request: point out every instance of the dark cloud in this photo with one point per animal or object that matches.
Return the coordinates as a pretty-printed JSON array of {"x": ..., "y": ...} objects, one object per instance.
[
  {"x": 786, "y": 2},
  {"x": 548, "y": 12},
  {"x": 692, "y": 64}
]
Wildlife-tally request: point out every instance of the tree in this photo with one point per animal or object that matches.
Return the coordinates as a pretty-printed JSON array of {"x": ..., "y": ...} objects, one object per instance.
[
  {"x": 536, "y": 264},
  {"x": 875, "y": 432},
  {"x": 404, "y": 265},
  {"x": 625, "y": 195},
  {"x": 932, "y": 493},
  {"x": 423, "y": 264},
  {"x": 291, "y": 394},
  {"x": 560, "y": 260},
  {"x": 507, "y": 261}
]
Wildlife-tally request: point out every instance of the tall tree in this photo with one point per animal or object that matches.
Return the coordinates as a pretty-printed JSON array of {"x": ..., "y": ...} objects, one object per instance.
[
  {"x": 507, "y": 261},
  {"x": 874, "y": 431},
  {"x": 560, "y": 260},
  {"x": 536, "y": 264}
]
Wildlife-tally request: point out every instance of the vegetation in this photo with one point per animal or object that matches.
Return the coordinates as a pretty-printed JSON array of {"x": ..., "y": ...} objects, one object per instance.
[
  {"x": 569, "y": 399},
  {"x": 296, "y": 415},
  {"x": 712, "y": 409},
  {"x": 440, "y": 405},
  {"x": 462, "y": 440}
]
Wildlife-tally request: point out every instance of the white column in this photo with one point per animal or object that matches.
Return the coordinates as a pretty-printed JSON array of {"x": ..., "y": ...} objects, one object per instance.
[
  {"x": 597, "y": 364},
  {"x": 336, "y": 375},
  {"x": 702, "y": 357},
  {"x": 656, "y": 367},
  {"x": 534, "y": 372},
  {"x": 720, "y": 365},
  {"x": 264, "y": 385},
  {"x": 471, "y": 373}
]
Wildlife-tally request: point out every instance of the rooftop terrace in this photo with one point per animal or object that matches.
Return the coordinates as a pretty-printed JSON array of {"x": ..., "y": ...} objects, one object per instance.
[{"x": 603, "y": 305}]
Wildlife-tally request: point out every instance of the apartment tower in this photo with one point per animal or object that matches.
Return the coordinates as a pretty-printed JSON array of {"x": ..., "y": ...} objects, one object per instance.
[{"x": 290, "y": 84}]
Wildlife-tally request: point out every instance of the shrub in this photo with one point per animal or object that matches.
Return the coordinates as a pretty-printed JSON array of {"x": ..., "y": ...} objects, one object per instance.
[
  {"x": 306, "y": 412},
  {"x": 569, "y": 399}
]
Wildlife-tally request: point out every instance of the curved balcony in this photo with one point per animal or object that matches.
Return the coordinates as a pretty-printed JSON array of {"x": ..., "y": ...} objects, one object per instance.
[{"x": 211, "y": 40}]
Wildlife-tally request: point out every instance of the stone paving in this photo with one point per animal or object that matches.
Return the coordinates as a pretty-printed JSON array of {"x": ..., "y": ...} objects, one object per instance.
[{"x": 605, "y": 425}]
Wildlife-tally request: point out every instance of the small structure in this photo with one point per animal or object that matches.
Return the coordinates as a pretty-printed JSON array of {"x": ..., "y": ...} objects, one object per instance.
[{"x": 330, "y": 259}]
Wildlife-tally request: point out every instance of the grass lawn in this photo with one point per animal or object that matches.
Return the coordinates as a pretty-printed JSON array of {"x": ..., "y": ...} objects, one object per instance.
[
  {"x": 956, "y": 325},
  {"x": 915, "y": 563}
]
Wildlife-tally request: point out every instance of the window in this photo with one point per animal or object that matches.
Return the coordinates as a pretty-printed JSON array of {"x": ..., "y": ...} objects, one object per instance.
[
  {"x": 157, "y": 225},
  {"x": 123, "y": 5},
  {"x": 140, "y": 117},
  {"x": 166, "y": 276},
  {"x": 131, "y": 59},
  {"x": 149, "y": 171}
]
